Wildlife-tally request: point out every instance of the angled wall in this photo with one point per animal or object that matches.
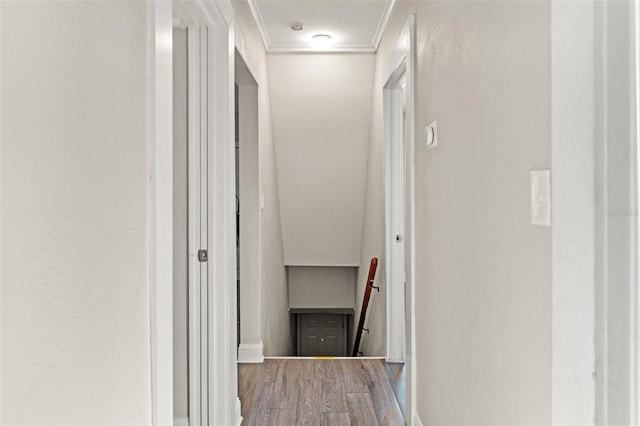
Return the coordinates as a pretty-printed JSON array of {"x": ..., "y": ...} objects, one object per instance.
[{"x": 321, "y": 121}]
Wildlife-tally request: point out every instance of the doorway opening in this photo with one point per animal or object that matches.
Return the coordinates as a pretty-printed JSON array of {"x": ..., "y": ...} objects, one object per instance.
[
  {"x": 248, "y": 241},
  {"x": 395, "y": 101},
  {"x": 398, "y": 134},
  {"x": 395, "y": 180}
]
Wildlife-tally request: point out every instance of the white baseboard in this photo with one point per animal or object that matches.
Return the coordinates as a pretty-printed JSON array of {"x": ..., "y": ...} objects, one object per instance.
[
  {"x": 251, "y": 353},
  {"x": 181, "y": 421},
  {"x": 416, "y": 420},
  {"x": 238, "y": 412}
]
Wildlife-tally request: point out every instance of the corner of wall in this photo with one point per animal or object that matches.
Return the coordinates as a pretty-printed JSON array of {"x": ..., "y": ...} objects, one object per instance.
[{"x": 275, "y": 320}]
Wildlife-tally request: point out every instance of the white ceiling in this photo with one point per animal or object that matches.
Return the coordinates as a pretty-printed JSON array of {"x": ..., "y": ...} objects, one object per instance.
[{"x": 355, "y": 26}]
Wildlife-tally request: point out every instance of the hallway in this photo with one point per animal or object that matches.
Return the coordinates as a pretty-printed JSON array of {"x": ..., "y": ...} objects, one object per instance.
[
  {"x": 319, "y": 392},
  {"x": 153, "y": 154}
]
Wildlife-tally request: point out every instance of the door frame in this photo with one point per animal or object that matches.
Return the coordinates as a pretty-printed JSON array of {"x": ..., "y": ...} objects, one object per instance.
[
  {"x": 636, "y": 245},
  {"x": 221, "y": 356},
  {"x": 401, "y": 330},
  {"x": 617, "y": 195},
  {"x": 396, "y": 206},
  {"x": 573, "y": 214},
  {"x": 160, "y": 134},
  {"x": 251, "y": 347}
]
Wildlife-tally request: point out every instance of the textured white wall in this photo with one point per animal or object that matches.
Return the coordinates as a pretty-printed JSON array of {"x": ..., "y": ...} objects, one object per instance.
[
  {"x": 321, "y": 287},
  {"x": 483, "y": 277},
  {"x": 75, "y": 291},
  {"x": 321, "y": 120},
  {"x": 276, "y": 334}
]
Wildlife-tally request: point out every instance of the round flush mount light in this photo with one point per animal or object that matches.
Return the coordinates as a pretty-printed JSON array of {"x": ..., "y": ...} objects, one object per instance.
[
  {"x": 321, "y": 40},
  {"x": 297, "y": 26}
]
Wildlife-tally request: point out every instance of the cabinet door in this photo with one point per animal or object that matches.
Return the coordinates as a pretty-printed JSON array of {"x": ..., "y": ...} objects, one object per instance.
[{"x": 322, "y": 335}]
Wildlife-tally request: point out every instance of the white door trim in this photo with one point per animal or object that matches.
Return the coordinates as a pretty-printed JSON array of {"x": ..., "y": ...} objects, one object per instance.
[
  {"x": 217, "y": 18},
  {"x": 573, "y": 213},
  {"x": 616, "y": 245},
  {"x": 402, "y": 58},
  {"x": 636, "y": 244},
  {"x": 160, "y": 218}
]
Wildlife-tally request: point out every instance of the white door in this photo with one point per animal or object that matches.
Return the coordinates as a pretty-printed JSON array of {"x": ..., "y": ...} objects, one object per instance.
[
  {"x": 191, "y": 109},
  {"x": 198, "y": 247},
  {"x": 190, "y": 223}
]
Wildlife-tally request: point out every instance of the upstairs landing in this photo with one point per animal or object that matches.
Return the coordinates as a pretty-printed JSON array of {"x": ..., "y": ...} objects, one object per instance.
[{"x": 292, "y": 391}]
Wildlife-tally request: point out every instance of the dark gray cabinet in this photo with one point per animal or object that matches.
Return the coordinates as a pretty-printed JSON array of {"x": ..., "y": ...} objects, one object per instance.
[{"x": 322, "y": 333}]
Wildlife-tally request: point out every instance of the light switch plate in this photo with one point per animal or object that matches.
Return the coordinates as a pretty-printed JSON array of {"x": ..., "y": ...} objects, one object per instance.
[
  {"x": 261, "y": 201},
  {"x": 431, "y": 135},
  {"x": 540, "y": 197}
]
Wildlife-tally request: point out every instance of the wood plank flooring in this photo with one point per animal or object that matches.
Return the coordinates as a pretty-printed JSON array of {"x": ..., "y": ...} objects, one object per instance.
[{"x": 282, "y": 392}]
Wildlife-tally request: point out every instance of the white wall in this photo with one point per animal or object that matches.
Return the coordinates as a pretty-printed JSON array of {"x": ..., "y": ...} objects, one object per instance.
[
  {"x": 276, "y": 334},
  {"x": 75, "y": 288},
  {"x": 483, "y": 278},
  {"x": 321, "y": 287},
  {"x": 321, "y": 121},
  {"x": 180, "y": 231}
]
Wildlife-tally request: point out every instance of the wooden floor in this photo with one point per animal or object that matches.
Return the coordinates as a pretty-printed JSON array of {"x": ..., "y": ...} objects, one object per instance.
[{"x": 282, "y": 392}]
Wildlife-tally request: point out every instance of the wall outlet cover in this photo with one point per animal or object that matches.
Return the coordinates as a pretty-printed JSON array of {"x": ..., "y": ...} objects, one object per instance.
[{"x": 540, "y": 197}]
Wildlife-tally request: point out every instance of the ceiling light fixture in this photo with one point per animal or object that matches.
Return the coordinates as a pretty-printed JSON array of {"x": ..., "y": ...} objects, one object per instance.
[
  {"x": 297, "y": 27},
  {"x": 321, "y": 40}
]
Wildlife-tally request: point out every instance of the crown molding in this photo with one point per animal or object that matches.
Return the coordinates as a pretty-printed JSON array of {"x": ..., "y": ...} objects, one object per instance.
[
  {"x": 365, "y": 48},
  {"x": 311, "y": 49},
  {"x": 382, "y": 25},
  {"x": 255, "y": 11}
]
